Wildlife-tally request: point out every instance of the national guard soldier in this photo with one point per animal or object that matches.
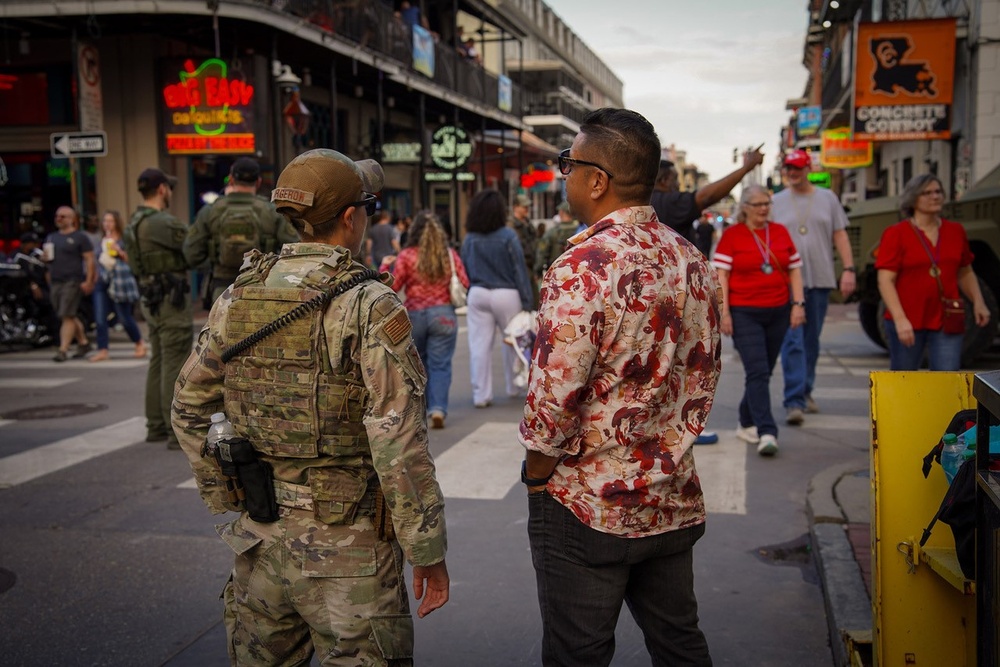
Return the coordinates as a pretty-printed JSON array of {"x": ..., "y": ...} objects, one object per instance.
[
  {"x": 154, "y": 241},
  {"x": 311, "y": 358},
  {"x": 553, "y": 241},
  {"x": 234, "y": 224}
]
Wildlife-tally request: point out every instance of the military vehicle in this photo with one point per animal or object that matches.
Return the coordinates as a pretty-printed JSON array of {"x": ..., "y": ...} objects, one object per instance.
[{"x": 978, "y": 210}]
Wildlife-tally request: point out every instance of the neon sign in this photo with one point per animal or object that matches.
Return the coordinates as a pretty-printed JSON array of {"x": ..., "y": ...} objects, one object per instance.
[{"x": 206, "y": 110}]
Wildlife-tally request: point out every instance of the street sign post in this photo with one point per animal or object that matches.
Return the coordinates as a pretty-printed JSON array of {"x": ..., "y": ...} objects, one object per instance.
[{"x": 78, "y": 144}]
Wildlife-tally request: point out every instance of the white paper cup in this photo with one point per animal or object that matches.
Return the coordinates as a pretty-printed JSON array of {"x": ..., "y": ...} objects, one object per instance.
[{"x": 48, "y": 252}]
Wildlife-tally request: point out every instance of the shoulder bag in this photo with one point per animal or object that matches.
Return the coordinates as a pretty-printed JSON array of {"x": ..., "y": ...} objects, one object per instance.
[{"x": 456, "y": 290}]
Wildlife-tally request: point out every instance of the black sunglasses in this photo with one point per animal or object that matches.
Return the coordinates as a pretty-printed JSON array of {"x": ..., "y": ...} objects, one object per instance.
[
  {"x": 566, "y": 164},
  {"x": 370, "y": 202}
]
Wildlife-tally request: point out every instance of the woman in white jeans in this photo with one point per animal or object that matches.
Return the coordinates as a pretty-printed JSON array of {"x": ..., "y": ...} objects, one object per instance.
[{"x": 499, "y": 289}]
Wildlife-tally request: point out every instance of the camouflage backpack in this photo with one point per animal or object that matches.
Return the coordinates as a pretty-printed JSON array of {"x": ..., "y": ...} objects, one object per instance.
[{"x": 236, "y": 231}]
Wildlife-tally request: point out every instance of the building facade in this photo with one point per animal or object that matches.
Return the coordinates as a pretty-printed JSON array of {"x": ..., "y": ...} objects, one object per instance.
[{"x": 91, "y": 93}]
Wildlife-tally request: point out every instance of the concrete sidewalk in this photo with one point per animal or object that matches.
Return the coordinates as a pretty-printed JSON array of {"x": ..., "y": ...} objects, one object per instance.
[{"x": 838, "y": 507}]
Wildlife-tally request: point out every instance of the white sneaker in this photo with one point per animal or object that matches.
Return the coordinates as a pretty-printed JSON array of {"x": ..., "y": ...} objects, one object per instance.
[
  {"x": 768, "y": 445},
  {"x": 747, "y": 434}
]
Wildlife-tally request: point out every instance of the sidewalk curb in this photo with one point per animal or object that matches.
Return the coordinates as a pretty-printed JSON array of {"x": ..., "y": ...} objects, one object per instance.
[{"x": 848, "y": 607}]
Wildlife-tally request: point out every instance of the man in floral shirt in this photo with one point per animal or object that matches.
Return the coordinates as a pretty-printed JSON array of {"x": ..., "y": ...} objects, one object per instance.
[{"x": 623, "y": 377}]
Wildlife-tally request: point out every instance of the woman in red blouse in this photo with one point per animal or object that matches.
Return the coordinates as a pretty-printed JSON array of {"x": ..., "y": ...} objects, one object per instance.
[
  {"x": 913, "y": 256},
  {"x": 759, "y": 271},
  {"x": 423, "y": 270}
]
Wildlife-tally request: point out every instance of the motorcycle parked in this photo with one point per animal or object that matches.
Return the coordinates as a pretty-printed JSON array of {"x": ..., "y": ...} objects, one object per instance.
[{"x": 23, "y": 320}]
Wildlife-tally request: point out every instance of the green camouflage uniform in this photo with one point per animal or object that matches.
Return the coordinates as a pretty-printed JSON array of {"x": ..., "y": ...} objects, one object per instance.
[
  {"x": 334, "y": 402},
  {"x": 154, "y": 240},
  {"x": 552, "y": 244},
  {"x": 527, "y": 235},
  {"x": 201, "y": 247}
]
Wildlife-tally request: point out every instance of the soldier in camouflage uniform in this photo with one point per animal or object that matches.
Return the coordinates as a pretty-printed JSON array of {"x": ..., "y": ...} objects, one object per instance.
[
  {"x": 527, "y": 235},
  {"x": 553, "y": 241},
  {"x": 204, "y": 242},
  {"x": 153, "y": 242},
  {"x": 333, "y": 402}
]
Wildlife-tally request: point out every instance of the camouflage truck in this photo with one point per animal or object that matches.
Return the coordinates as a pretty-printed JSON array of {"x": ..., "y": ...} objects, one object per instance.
[{"x": 978, "y": 211}]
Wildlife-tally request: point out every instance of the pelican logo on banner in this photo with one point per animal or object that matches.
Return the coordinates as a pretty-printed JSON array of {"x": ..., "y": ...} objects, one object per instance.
[{"x": 904, "y": 79}]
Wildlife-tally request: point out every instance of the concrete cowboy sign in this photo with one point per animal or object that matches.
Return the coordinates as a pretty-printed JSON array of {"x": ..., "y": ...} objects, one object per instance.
[{"x": 903, "y": 80}]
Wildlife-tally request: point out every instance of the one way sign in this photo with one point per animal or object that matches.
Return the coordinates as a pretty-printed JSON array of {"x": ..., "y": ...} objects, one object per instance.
[{"x": 79, "y": 144}]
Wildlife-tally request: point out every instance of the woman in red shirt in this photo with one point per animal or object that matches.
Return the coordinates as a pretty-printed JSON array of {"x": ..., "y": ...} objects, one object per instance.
[
  {"x": 920, "y": 260},
  {"x": 423, "y": 270},
  {"x": 759, "y": 271}
]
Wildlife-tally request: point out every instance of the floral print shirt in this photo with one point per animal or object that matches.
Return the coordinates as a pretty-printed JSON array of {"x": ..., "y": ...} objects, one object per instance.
[{"x": 623, "y": 374}]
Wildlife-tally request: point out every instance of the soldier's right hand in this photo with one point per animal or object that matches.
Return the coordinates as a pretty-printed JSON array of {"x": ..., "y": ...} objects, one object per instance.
[{"x": 432, "y": 580}]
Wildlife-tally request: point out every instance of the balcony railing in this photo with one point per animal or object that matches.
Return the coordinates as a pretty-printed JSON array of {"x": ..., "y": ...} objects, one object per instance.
[{"x": 374, "y": 26}]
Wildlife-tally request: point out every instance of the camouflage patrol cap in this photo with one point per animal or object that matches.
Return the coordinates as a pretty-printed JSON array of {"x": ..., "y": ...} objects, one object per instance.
[{"x": 316, "y": 186}]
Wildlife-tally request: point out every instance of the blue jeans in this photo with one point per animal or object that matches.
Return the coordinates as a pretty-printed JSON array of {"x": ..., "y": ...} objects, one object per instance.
[
  {"x": 102, "y": 307},
  {"x": 800, "y": 351},
  {"x": 757, "y": 335},
  {"x": 584, "y": 575},
  {"x": 944, "y": 351},
  {"x": 435, "y": 332}
]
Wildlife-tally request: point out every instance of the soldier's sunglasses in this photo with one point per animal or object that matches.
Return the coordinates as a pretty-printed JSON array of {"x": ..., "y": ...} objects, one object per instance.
[{"x": 370, "y": 202}]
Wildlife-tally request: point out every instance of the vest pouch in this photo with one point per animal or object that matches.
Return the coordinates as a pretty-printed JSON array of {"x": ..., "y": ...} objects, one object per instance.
[
  {"x": 161, "y": 261},
  {"x": 337, "y": 494}
]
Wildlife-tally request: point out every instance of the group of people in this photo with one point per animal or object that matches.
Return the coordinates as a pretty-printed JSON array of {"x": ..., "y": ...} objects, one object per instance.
[
  {"x": 330, "y": 380},
  {"x": 623, "y": 378},
  {"x": 777, "y": 272}
]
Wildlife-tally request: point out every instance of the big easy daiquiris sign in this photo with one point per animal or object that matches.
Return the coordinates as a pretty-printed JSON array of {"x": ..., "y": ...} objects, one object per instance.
[
  {"x": 904, "y": 80},
  {"x": 207, "y": 107}
]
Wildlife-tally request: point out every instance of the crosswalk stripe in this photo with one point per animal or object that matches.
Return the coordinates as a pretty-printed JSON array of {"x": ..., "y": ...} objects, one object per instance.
[
  {"x": 26, "y": 466},
  {"x": 835, "y": 393},
  {"x": 722, "y": 470},
  {"x": 483, "y": 465},
  {"x": 34, "y": 383},
  {"x": 48, "y": 364},
  {"x": 835, "y": 423}
]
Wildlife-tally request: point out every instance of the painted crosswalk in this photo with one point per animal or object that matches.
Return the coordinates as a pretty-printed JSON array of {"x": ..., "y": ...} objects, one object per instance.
[{"x": 34, "y": 463}]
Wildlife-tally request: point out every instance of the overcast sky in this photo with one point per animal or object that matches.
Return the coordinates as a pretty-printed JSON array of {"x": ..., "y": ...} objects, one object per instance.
[{"x": 711, "y": 75}]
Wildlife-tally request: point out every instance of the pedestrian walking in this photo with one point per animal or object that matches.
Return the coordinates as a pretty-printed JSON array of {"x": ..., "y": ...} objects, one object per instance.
[
  {"x": 817, "y": 223},
  {"x": 72, "y": 274},
  {"x": 624, "y": 373},
  {"x": 154, "y": 245},
  {"x": 499, "y": 290},
  {"x": 338, "y": 483},
  {"x": 116, "y": 288},
  {"x": 923, "y": 263},
  {"x": 234, "y": 224},
  {"x": 422, "y": 271},
  {"x": 760, "y": 273}
]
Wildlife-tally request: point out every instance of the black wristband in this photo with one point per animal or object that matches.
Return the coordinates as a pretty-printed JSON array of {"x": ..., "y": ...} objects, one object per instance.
[
  {"x": 851, "y": 269},
  {"x": 799, "y": 303},
  {"x": 528, "y": 481}
]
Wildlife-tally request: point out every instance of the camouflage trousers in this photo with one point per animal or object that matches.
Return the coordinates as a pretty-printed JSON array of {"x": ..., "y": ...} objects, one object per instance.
[{"x": 299, "y": 585}]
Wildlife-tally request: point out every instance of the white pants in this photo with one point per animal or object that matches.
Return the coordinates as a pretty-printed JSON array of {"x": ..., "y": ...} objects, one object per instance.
[{"x": 489, "y": 312}]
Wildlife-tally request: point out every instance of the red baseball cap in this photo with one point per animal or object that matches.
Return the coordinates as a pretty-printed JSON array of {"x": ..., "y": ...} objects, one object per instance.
[{"x": 797, "y": 158}]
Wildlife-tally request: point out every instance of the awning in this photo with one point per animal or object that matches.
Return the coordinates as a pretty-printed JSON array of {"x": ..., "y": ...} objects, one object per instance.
[{"x": 528, "y": 139}]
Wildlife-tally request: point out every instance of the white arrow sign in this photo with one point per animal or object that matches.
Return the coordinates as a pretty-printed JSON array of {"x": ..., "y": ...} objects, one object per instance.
[{"x": 79, "y": 144}]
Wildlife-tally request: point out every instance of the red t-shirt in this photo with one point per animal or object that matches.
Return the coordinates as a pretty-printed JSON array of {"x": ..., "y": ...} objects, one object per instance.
[
  {"x": 901, "y": 251},
  {"x": 738, "y": 253},
  {"x": 421, "y": 294}
]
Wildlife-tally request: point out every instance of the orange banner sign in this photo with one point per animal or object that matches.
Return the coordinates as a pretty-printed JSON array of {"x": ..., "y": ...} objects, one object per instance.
[
  {"x": 839, "y": 151},
  {"x": 903, "y": 80}
]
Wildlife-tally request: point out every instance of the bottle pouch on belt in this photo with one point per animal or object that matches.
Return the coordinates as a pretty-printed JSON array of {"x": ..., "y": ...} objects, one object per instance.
[{"x": 252, "y": 479}]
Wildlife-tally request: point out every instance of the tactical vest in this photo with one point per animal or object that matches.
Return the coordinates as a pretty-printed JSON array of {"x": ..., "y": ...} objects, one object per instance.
[
  {"x": 154, "y": 255},
  {"x": 239, "y": 225},
  {"x": 283, "y": 394}
]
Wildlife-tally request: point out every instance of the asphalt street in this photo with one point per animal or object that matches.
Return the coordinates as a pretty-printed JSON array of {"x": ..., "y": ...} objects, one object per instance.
[{"x": 108, "y": 557}]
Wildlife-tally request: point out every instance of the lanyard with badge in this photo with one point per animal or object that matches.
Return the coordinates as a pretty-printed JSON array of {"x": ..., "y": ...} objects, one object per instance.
[
  {"x": 764, "y": 249},
  {"x": 803, "y": 227}
]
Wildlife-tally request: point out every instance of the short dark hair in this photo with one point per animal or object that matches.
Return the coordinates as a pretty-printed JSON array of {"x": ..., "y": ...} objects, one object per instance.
[
  {"x": 628, "y": 144},
  {"x": 487, "y": 212}
]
